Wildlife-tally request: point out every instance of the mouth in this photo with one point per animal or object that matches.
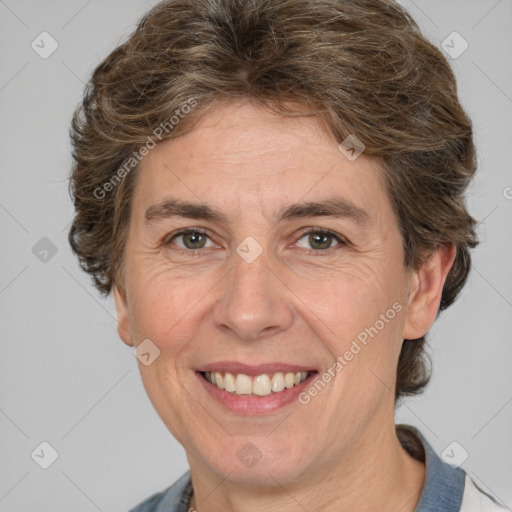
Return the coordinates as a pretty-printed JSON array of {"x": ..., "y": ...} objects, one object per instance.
[
  {"x": 255, "y": 390},
  {"x": 259, "y": 385}
]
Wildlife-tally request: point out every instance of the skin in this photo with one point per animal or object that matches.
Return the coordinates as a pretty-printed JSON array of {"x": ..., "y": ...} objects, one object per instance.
[{"x": 295, "y": 303}]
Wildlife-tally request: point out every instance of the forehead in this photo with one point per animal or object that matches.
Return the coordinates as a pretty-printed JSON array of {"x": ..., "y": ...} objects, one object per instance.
[{"x": 243, "y": 155}]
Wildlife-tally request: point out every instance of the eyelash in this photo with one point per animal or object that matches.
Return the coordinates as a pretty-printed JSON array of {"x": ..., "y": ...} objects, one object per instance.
[{"x": 318, "y": 252}]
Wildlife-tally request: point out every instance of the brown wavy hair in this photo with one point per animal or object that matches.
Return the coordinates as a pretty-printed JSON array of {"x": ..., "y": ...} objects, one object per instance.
[{"x": 361, "y": 68}]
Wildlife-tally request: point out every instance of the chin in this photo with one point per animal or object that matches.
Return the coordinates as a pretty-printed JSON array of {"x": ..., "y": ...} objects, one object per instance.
[{"x": 260, "y": 461}]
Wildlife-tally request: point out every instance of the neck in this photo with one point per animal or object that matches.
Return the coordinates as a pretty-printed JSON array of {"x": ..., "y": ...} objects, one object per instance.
[{"x": 376, "y": 474}]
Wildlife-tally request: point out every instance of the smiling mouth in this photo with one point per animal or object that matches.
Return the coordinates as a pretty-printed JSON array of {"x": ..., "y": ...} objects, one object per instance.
[{"x": 260, "y": 385}]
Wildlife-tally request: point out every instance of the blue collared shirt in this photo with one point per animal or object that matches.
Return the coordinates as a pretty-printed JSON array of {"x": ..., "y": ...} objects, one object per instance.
[{"x": 445, "y": 489}]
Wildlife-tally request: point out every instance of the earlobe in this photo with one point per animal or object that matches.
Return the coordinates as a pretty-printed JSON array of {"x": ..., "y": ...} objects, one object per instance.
[
  {"x": 122, "y": 315},
  {"x": 425, "y": 292}
]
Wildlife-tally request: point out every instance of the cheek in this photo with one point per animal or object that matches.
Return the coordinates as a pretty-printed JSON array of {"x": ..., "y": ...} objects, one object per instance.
[
  {"x": 366, "y": 315},
  {"x": 357, "y": 297},
  {"x": 163, "y": 298}
]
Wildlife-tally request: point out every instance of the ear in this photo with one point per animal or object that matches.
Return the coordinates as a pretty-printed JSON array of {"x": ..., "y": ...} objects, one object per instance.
[
  {"x": 123, "y": 316},
  {"x": 425, "y": 291}
]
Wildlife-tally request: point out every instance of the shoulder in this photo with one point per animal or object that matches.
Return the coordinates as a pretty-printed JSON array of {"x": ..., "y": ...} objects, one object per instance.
[
  {"x": 173, "y": 499},
  {"x": 149, "y": 504},
  {"x": 475, "y": 500},
  {"x": 446, "y": 487}
]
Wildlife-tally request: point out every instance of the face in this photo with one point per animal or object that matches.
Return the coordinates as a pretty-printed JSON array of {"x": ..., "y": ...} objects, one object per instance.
[{"x": 253, "y": 287}]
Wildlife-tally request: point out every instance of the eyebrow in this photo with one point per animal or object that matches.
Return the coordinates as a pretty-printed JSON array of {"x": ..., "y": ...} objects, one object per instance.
[{"x": 337, "y": 207}]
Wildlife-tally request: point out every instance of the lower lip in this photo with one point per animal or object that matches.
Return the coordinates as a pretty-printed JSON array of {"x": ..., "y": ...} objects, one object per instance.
[{"x": 250, "y": 405}]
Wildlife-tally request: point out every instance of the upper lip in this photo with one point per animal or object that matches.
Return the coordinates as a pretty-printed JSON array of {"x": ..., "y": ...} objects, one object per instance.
[{"x": 235, "y": 367}]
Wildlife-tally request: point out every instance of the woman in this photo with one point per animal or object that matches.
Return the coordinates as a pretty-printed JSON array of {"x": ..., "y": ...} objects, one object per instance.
[{"x": 273, "y": 191}]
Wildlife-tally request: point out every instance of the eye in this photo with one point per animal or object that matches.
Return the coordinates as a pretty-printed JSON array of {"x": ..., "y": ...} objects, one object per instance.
[
  {"x": 321, "y": 239},
  {"x": 193, "y": 238}
]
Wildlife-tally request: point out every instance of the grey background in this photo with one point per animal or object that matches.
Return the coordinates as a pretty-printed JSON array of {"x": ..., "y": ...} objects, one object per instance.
[{"x": 68, "y": 380}]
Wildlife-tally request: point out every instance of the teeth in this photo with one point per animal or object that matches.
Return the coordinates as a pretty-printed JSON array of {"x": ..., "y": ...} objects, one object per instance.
[
  {"x": 218, "y": 380},
  {"x": 278, "y": 382},
  {"x": 289, "y": 380},
  {"x": 229, "y": 382},
  {"x": 243, "y": 384},
  {"x": 262, "y": 385}
]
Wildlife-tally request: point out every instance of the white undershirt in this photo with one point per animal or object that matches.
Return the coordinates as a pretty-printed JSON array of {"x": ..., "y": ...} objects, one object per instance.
[{"x": 475, "y": 501}]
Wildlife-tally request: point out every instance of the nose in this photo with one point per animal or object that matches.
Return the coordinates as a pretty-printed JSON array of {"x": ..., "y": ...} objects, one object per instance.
[{"x": 255, "y": 302}]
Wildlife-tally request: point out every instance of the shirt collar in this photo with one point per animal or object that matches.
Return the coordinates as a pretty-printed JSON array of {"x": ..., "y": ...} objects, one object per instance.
[
  {"x": 177, "y": 497},
  {"x": 444, "y": 485}
]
